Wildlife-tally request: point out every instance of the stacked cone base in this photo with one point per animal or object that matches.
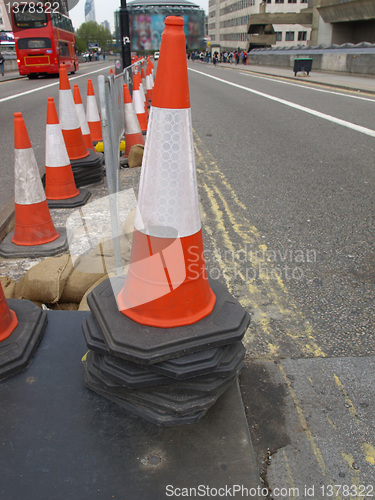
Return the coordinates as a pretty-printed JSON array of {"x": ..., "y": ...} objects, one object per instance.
[
  {"x": 77, "y": 201},
  {"x": 17, "y": 350},
  {"x": 89, "y": 170},
  {"x": 10, "y": 250},
  {"x": 166, "y": 376}
]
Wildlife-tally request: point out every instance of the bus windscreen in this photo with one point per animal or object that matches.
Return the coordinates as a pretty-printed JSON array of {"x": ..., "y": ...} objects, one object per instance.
[{"x": 30, "y": 19}]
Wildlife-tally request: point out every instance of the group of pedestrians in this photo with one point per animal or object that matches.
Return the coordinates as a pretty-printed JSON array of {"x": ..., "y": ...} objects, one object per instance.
[{"x": 224, "y": 57}]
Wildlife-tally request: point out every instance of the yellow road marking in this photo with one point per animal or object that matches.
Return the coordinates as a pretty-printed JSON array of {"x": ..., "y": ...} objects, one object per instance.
[{"x": 266, "y": 292}]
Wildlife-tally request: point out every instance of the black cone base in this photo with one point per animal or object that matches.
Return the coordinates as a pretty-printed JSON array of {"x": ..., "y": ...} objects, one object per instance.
[
  {"x": 88, "y": 170},
  {"x": 168, "y": 376},
  {"x": 9, "y": 250},
  {"x": 17, "y": 350},
  {"x": 147, "y": 345},
  {"x": 76, "y": 201}
]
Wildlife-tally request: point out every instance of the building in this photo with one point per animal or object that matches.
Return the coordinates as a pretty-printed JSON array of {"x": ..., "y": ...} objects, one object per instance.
[
  {"x": 328, "y": 21},
  {"x": 106, "y": 25},
  {"x": 228, "y": 24},
  {"x": 248, "y": 24},
  {"x": 5, "y": 22},
  {"x": 90, "y": 11},
  {"x": 146, "y": 22}
]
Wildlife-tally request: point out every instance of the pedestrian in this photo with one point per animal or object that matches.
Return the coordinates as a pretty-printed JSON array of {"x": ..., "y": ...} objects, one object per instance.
[
  {"x": 237, "y": 57},
  {"x": 215, "y": 57},
  {"x": 2, "y": 60}
]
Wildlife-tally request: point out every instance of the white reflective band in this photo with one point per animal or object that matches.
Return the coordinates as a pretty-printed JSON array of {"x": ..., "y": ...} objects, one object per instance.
[
  {"x": 138, "y": 102},
  {"x": 92, "y": 109},
  {"x": 142, "y": 91},
  {"x": 168, "y": 193},
  {"x": 148, "y": 82},
  {"x": 82, "y": 119},
  {"x": 131, "y": 121},
  {"x": 28, "y": 186},
  {"x": 67, "y": 111},
  {"x": 56, "y": 154}
]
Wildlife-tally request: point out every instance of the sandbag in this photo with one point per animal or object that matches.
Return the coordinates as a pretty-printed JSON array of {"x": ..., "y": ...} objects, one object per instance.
[{"x": 45, "y": 281}]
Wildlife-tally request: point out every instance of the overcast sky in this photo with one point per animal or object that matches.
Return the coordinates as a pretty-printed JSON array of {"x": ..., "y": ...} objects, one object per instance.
[{"x": 104, "y": 10}]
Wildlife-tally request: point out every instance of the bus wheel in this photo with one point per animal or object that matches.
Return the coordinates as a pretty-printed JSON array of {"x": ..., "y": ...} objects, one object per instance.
[{"x": 33, "y": 76}]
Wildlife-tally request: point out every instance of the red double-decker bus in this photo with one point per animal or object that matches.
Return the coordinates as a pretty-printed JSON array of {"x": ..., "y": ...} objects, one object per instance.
[{"x": 44, "y": 39}]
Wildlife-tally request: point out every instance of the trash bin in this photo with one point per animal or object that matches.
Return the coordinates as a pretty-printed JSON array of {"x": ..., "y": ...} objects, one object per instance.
[{"x": 302, "y": 64}]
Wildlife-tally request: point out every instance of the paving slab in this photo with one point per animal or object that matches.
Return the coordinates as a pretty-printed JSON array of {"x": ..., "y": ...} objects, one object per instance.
[{"x": 60, "y": 440}]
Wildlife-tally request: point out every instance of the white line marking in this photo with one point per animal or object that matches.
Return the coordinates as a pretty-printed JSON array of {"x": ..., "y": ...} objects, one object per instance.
[
  {"x": 50, "y": 85},
  {"x": 310, "y": 88},
  {"x": 338, "y": 121}
]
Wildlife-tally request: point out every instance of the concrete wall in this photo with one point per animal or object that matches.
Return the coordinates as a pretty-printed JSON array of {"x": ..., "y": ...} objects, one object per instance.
[{"x": 333, "y": 60}]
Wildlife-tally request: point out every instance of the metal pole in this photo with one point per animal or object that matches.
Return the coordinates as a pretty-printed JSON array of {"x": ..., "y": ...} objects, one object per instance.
[{"x": 125, "y": 35}]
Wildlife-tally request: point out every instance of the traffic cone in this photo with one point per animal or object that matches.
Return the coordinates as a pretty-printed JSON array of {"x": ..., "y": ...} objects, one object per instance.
[
  {"x": 22, "y": 325},
  {"x": 93, "y": 117},
  {"x": 34, "y": 232},
  {"x": 138, "y": 78},
  {"x": 69, "y": 121},
  {"x": 165, "y": 319},
  {"x": 138, "y": 103},
  {"x": 133, "y": 133},
  {"x": 149, "y": 80},
  {"x": 82, "y": 118},
  {"x": 60, "y": 188},
  {"x": 8, "y": 318},
  {"x": 166, "y": 287}
]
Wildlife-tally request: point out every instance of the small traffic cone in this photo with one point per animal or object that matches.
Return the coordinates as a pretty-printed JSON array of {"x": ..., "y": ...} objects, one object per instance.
[
  {"x": 149, "y": 80},
  {"x": 82, "y": 118},
  {"x": 93, "y": 118},
  {"x": 69, "y": 122},
  {"x": 138, "y": 79},
  {"x": 22, "y": 325},
  {"x": 166, "y": 285},
  {"x": 138, "y": 103},
  {"x": 133, "y": 132},
  {"x": 61, "y": 190},
  {"x": 8, "y": 318},
  {"x": 34, "y": 232}
]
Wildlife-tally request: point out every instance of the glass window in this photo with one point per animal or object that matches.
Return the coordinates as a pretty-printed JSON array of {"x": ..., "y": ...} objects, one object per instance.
[
  {"x": 289, "y": 36},
  {"x": 34, "y": 43},
  {"x": 28, "y": 19},
  {"x": 279, "y": 36}
]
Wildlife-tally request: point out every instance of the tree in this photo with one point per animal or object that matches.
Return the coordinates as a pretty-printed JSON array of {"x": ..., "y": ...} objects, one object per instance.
[{"x": 93, "y": 32}]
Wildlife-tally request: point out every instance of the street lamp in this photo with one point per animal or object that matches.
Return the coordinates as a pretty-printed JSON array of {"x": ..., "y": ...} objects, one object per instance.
[{"x": 125, "y": 35}]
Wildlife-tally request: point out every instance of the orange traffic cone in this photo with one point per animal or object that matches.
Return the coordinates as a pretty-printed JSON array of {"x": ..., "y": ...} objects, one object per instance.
[
  {"x": 69, "y": 122},
  {"x": 34, "y": 233},
  {"x": 133, "y": 133},
  {"x": 61, "y": 190},
  {"x": 8, "y": 318},
  {"x": 82, "y": 118},
  {"x": 166, "y": 285},
  {"x": 93, "y": 118},
  {"x": 138, "y": 103},
  {"x": 33, "y": 223},
  {"x": 137, "y": 78},
  {"x": 22, "y": 325},
  {"x": 149, "y": 80}
]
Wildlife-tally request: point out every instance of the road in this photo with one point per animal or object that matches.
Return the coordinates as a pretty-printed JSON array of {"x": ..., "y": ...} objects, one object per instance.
[{"x": 286, "y": 176}]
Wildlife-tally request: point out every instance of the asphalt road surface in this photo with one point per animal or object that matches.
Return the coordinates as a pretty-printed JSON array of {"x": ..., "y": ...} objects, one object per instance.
[{"x": 286, "y": 176}]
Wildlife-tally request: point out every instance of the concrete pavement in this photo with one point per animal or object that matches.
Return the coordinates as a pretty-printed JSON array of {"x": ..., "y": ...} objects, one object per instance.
[{"x": 334, "y": 79}]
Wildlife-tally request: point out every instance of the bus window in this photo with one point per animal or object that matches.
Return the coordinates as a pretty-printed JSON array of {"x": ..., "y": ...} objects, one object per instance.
[
  {"x": 30, "y": 20},
  {"x": 34, "y": 43},
  {"x": 63, "y": 49}
]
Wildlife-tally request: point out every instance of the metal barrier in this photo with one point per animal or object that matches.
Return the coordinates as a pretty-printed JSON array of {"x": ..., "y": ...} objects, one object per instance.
[{"x": 111, "y": 102}]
